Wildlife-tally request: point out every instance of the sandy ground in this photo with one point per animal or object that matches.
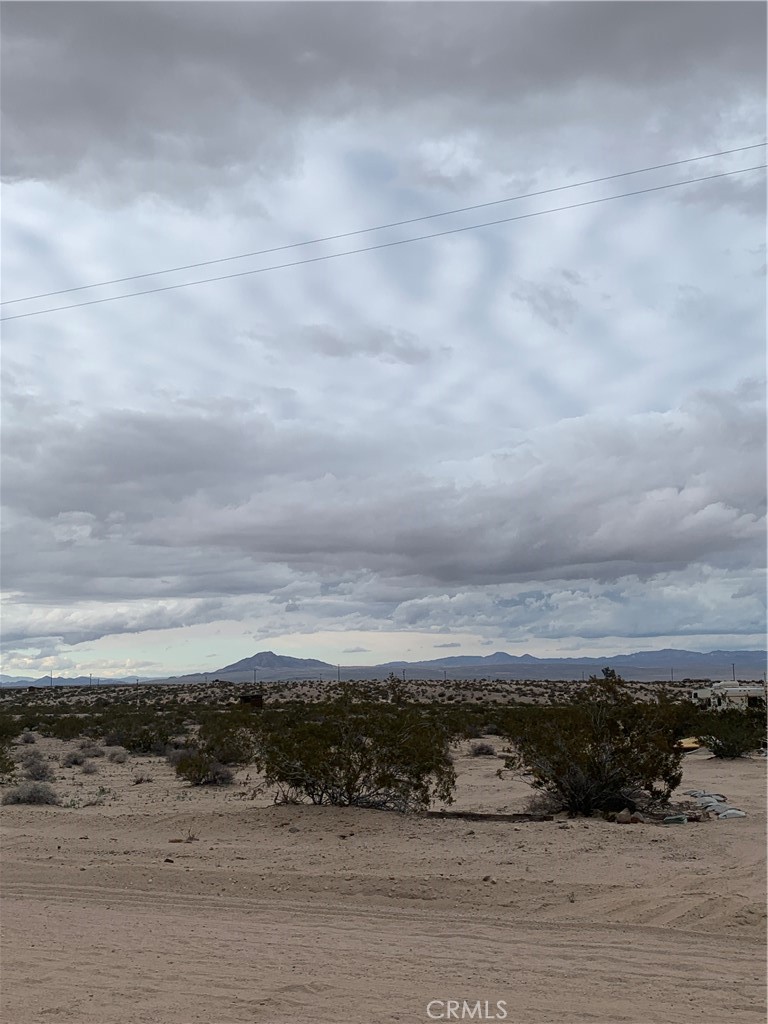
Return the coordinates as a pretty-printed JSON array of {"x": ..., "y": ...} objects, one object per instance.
[{"x": 265, "y": 915}]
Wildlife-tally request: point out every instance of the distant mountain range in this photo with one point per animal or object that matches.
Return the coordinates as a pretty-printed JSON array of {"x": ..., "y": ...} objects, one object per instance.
[
  {"x": 641, "y": 659},
  {"x": 641, "y": 666}
]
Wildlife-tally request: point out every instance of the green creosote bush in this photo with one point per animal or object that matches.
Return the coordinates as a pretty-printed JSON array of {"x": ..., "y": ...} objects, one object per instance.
[
  {"x": 733, "y": 732},
  {"x": 62, "y": 727},
  {"x": 228, "y": 738},
  {"x": 142, "y": 733},
  {"x": 601, "y": 749},
  {"x": 31, "y": 793},
  {"x": 350, "y": 751}
]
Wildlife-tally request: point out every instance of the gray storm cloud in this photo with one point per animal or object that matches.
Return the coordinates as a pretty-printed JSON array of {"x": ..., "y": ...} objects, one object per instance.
[
  {"x": 550, "y": 429},
  {"x": 92, "y": 88}
]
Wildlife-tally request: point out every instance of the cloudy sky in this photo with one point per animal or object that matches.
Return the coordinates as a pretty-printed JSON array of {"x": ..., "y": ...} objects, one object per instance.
[{"x": 544, "y": 436}]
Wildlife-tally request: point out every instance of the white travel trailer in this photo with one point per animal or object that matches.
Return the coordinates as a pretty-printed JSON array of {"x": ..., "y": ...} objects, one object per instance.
[{"x": 730, "y": 695}]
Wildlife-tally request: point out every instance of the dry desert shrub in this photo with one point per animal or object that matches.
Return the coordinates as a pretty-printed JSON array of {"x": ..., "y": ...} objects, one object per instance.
[
  {"x": 118, "y": 756},
  {"x": 91, "y": 749},
  {"x": 201, "y": 769},
  {"x": 73, "y": 759},
  {"x": 7, "y": 764},
  {"x": 89, "y": 768},
  {"x": 31, "y": 793},
  {"x": 481, "y": 749},
  {"x": 37, "y": 768},
  {"x": 28, "y": 737}
]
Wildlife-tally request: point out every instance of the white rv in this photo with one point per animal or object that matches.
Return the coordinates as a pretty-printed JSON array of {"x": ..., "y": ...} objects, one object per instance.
[{"x": 730, "y": 695}]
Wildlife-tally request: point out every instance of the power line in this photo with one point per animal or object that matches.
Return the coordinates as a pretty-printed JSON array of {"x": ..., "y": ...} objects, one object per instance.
[
  {"x": 384, "y": 245},
  {"x": 382, "y": 227}
]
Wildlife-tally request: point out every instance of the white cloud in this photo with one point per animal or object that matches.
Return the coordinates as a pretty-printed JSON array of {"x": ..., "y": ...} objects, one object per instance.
[{"x": 546, "y": 430}]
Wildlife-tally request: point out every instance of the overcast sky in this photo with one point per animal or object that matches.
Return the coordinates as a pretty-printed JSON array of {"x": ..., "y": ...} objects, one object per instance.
[{"x": 546, "y": 436}]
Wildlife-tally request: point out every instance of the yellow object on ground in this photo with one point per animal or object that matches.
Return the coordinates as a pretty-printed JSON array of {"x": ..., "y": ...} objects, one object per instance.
[{"x": 689, "y": 743}]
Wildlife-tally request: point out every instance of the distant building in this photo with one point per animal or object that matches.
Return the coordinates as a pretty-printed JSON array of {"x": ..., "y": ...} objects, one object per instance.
[{"x": 729, "y": 695}]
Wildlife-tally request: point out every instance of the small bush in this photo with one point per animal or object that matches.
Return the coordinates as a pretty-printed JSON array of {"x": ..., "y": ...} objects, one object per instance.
[
  {"x": 31, "y": 793},
  {"x": 733, "y": 732},
  {"x": 38, "y": 770},
  {"x": 7, "y": 764},
  {"x": 118, "y": 756},
  {"x": 91, "y": 749},
  {"x": 89, "y": 768},
  {"x": 73, "y": 759},
  {"x": 175, "y": 756},
  {"x": 140, "y": 779},
  {"x": 201, "y": 769},
  {"x": 482, "y": 750},
  {"x": 62, "y": 727},
  {"x": 28, "y": 737}
]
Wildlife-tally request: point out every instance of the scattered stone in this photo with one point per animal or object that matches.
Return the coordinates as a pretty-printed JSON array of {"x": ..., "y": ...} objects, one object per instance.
[
  {"x": 175, "y": 840},
  {"x": 564, "y": 825},
  {"x": 676, "y": 819},
  {"x": 637, "y": 818},
  {"x": 732, "y": 812},
  {"x": 624, "y": 817},
  {"x": 293, "y": 829},
  {"x": 168, "y": 861}
]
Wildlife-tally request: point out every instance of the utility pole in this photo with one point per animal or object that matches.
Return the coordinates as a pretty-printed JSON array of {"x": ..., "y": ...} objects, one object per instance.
[
  {"x": 51, "y": 677},
  {"x": 733, "y": 670},
  {"x": 338, "y": 673},
  {"x": 672, "y": 674}
]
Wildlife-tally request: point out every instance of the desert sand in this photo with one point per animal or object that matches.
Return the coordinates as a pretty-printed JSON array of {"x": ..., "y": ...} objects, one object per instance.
[{"x": 160, "y": 903}]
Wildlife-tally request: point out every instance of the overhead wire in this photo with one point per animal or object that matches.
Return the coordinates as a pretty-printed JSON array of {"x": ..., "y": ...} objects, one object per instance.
[
  {"x": 384, "y": 245},
  {"x": 382, "y": 227}
]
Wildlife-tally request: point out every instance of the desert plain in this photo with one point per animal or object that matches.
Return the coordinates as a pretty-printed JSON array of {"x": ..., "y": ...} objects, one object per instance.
[{"x": 157, "y": 902}]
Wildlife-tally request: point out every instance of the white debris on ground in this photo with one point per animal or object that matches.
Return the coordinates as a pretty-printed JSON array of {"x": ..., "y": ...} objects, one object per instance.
[{"x": 715, "y": 803}]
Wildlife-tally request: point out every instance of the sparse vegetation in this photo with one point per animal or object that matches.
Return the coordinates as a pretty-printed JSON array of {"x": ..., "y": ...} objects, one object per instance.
[
  {"x": 37, "y": 768},
  {"x": 31, "y": 793},
  {"x": 73, "y": 759},
  {"x": 482, "y": 749},
  {"x": 601, "y": 749},
  {"x": 201, "y": 769},
  {"x": 348, "y": 752},
  {"x": 7, "y": 764},
  {"x": 28, "y": 737},
  {"x": 733, "y": 732}
]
